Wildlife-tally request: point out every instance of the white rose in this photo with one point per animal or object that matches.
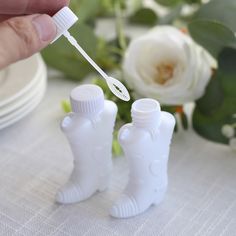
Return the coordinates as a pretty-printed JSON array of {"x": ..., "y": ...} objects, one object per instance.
[
  {"x": 227, "y": 131},
  {"x": 167, "y": 65}
]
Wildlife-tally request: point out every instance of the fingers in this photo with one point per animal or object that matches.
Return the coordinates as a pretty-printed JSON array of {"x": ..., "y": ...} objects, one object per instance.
[
  {"x": 23, "y": 36},
  {"x": 19, "y": 7},
  {"x": 5, "y": 17}
]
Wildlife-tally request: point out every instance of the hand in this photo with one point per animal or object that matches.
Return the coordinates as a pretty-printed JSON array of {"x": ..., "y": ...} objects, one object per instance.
[{"x": 26, "y": 27}]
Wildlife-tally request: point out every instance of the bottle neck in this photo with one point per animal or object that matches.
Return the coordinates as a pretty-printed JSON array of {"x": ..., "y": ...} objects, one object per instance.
[
  {"x": 146, "y": 122},
  {"x": 146, "y": 114}
]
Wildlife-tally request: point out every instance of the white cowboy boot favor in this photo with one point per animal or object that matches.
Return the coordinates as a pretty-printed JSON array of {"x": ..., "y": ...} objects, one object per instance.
[
  {"x": 145, "y": 143},
  {"x": 89, "y": 131}
]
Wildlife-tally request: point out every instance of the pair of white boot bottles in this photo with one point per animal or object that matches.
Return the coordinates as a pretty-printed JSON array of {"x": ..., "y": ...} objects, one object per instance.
[{"x": 145, "y": 143}]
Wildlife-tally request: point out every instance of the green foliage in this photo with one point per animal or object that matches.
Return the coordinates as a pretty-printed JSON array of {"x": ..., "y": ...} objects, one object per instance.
[
  {"x": 144, "y": 16},
  {"x": 214, "y": 28},
  {"x": 90, "y": 10},
  {"x": 193, "y": 1},
  {"x": 176, "y": 127},
  {"x": 170, "y": 17},
  {"x": 169, "y": 3},
  {"x": 222, "y": 11},
  {"x": 116, "y": 148},
  {"x": 173, "y": 3},
  {"x": 208, "y": 124},
  {"x": 62, "y": 56},
  {"x": 213, "y": 97},
  {"x": 184, "y": 120},
  {"x": 212, "y": 35},
  {"x": 65, "y": 105},
  {"x": 87, "y": 10}
]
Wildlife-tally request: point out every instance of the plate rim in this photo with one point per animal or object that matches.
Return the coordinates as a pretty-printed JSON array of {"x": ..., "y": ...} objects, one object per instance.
[
  {"x": 41, "y": 65},
  {"x": 26, "y": 109},
  {"x": 14, "y": 105}
]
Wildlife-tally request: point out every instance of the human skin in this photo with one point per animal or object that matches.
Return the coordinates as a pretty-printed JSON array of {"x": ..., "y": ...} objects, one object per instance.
[{"x": 26, "y": 27}]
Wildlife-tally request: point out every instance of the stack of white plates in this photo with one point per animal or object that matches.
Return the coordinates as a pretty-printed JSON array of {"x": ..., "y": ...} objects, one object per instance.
[{"x": 22, "y": 87}]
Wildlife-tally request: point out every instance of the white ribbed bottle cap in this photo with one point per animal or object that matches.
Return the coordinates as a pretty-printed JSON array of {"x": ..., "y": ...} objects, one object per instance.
[
  {"x": 87, "y": 100},
  {"x": 64, "y": 19},
  {"x": 146, "y": 113}
]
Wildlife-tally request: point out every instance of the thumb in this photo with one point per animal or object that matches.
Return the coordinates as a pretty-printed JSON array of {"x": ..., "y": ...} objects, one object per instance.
[{"x": 21, "y": 37}]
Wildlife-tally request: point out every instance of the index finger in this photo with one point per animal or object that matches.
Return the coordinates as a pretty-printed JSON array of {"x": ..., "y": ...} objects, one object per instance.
[{"x": 20, "y": 7}]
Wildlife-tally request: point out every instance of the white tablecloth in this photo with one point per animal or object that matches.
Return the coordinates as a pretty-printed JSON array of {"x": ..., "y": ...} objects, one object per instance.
[{"x": 35, "y": 160}]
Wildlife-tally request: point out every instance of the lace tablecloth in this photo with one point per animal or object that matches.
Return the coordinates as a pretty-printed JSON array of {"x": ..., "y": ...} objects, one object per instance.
[{"x": 35, "y": 160}]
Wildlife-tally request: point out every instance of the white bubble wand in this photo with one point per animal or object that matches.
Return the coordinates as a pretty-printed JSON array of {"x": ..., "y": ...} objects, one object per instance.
[{"x": 64, "y": 19}]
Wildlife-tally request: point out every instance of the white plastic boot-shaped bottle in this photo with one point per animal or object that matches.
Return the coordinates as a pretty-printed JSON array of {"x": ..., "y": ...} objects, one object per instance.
[
  {"x": 145, "y": 143},
  {"x": 89, "y": 131}
]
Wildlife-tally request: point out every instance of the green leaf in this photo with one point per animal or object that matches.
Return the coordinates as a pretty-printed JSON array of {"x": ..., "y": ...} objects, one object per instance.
[
  {"x": 169, "y": 3},
  {"x": 213, "y": 36},
  {"x": 116, "y": 148},
  {"x": 209, "y": 125},
  {"x": 176, "y": 127},
  {"x": 193, "y": 1},
  {"x": 109, "y": 55},
  {"x": 72, "y": 66},
  {"x": 170, "y": 109},
  {"x": 62, "y": 56},
  {"x": 102, "y": 83},
  {"x": 88, "y": 9},
  {"x": 184, "y": 120},
  {"x": 65, "y": 104},
  {"x": 134, "y": 5},
  {"x": 86, "y": 38},
  {"x": 219, "y": 10},
  {"x": 213, "y": 97},
  {"x": 172, "y": 15},
  {"x": 227, "y": 64},
  {"x": 144, "y": 16}
]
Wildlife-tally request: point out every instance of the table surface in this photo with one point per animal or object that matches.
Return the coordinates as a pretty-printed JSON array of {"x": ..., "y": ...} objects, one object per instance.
[{"x": 35, "y": 160}]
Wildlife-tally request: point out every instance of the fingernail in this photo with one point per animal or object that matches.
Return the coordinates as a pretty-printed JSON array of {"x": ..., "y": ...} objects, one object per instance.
[{"x": 45, "y": 27}]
